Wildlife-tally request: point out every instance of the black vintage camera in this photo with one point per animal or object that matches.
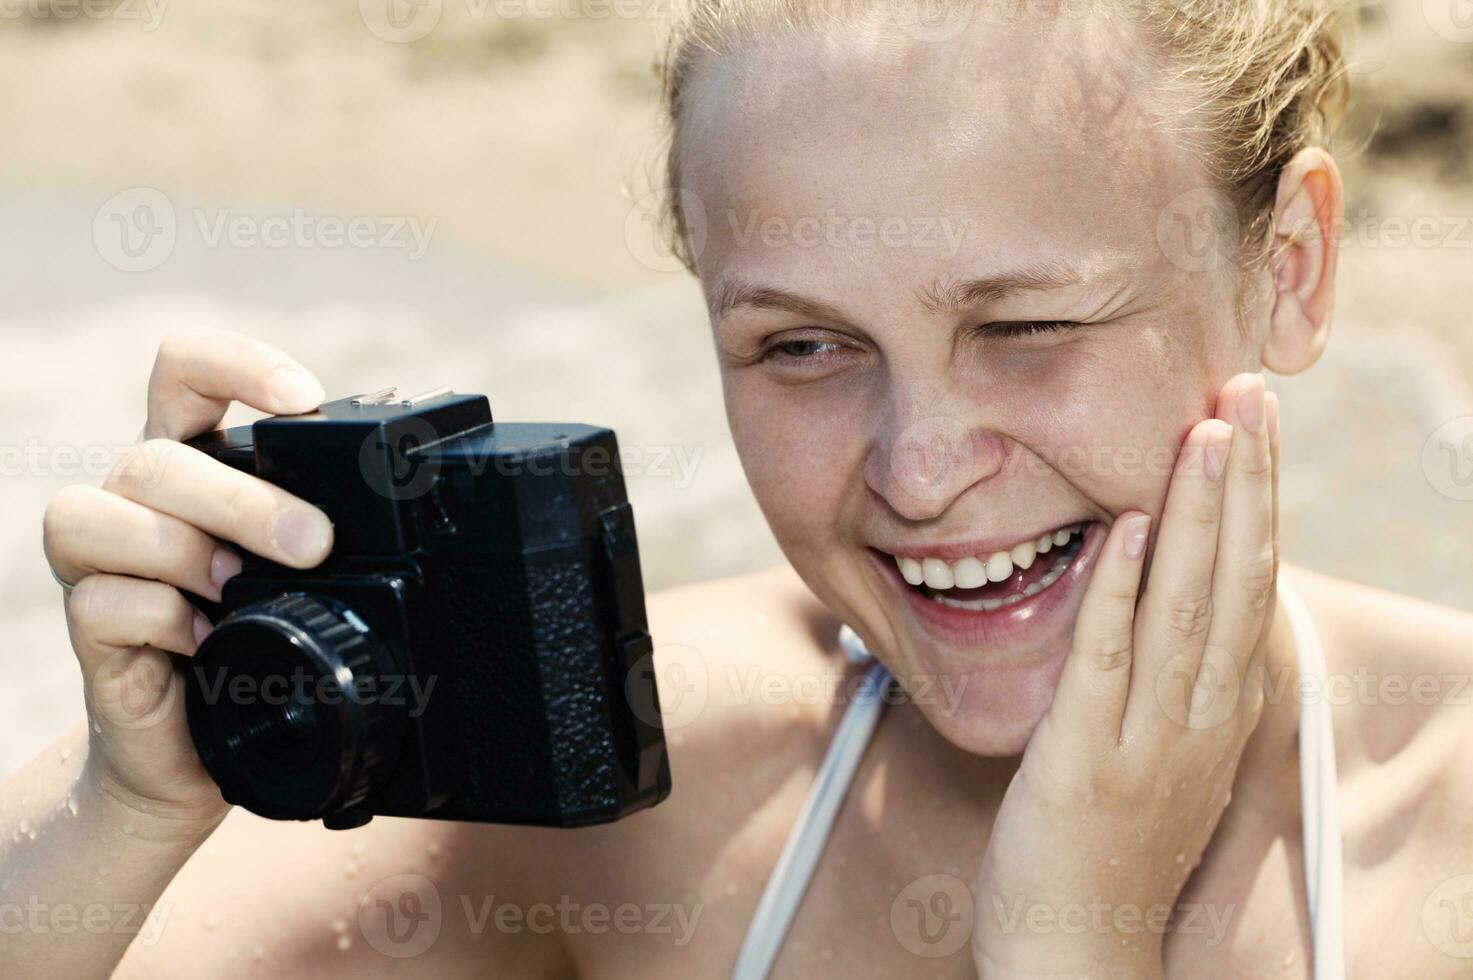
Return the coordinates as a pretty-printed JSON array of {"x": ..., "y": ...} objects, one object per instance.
[{"x": 475, "y": 648}]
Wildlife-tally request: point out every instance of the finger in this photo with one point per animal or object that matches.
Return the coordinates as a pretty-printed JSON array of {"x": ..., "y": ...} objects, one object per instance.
[
  {"x": 183, "y": 482},
  {"x": 88, "y": 530},
  {"x": 108, "y": 613},
  {"x": 1096, "y": 679},
  {"x": 1243, "y": 580},
  {"x": 198, "y": 374},
  {"x": 1176, "y": 610}
]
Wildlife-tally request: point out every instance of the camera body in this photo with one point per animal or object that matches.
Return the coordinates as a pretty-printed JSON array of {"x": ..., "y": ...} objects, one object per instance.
[{"x": 475, "y": 647}]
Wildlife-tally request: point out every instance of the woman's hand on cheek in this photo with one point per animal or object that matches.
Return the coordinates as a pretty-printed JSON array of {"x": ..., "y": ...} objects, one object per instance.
[{"x": 1125, "y": 779}]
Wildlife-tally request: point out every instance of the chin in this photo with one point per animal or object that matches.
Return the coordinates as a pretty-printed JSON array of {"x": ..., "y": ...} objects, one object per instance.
[{"x": 990, "y": 712}]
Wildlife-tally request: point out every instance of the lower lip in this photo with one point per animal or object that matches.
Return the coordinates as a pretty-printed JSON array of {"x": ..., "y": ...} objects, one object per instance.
[{"x": 1019, "y": 623}]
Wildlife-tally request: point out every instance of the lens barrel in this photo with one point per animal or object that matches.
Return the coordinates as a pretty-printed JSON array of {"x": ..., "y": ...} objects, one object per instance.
[{"x": 285, "y": 707}]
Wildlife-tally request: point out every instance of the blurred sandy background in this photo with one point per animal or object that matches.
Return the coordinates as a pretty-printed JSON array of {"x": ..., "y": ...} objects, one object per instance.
[{"x": 509, "y": 138}]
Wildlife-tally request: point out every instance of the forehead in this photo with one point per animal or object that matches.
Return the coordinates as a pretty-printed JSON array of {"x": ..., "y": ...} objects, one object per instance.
[{"x": 1040, "y": 136}]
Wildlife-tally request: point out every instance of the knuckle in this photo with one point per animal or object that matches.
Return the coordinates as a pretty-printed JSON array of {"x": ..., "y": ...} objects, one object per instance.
[
  {"x": 1114, "y": 651},
  {"x": 1258, "y": 579},
  {"x": 1208, "y": 512},
  {"x": 1258, "y": 462},
  {"x": 171, "y": 349},
  {"x": 130, "y": 476},
  {"x": 66, "y": 513},
  {"x": 93, "y": 602},
  {"x": 1188, "y": 615}
]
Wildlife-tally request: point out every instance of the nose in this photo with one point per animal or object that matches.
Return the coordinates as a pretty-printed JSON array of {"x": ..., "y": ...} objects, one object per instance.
[{"x": 925, "y": 459}]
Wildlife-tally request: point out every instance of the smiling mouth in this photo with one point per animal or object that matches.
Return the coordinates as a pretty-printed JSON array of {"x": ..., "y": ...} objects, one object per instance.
[{"x": 985, "y": 583}]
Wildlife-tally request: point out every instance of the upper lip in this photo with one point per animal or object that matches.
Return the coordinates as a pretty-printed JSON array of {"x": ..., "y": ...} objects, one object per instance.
[{"x": 957, "y": 550}]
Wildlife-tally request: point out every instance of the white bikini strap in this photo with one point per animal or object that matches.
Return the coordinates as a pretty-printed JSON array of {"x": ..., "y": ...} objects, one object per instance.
[
  {"x": 795, "y": 866},
  {"x": 1323, "y": 872},
  {"x": 1318, "y": 782}
]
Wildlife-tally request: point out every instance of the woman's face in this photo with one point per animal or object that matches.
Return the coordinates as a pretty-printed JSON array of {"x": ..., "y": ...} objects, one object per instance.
[{"x": 965, "y": 294}]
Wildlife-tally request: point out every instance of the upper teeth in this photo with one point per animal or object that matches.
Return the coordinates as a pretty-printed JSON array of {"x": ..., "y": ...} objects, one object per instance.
[{"x": 973, "y": 572}]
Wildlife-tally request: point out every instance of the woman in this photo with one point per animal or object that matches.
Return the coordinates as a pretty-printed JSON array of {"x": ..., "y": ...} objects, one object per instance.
[{"x": 990, "y": 291}]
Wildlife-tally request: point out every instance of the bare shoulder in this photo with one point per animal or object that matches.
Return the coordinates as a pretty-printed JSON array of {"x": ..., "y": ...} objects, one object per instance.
[{"x": 1401, "y": 690}]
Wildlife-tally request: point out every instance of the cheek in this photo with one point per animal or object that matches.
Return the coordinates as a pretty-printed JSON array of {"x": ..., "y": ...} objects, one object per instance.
[
  {"x": 802, "y": 451},
  {"x": 1110, "y": 415}
]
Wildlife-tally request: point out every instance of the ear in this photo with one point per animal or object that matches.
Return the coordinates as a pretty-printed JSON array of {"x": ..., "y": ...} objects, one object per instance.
[{"x": 1308, "y": 214}]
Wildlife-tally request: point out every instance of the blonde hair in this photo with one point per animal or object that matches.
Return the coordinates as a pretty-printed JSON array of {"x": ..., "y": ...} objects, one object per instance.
[{"x": 1256, "y": 80}]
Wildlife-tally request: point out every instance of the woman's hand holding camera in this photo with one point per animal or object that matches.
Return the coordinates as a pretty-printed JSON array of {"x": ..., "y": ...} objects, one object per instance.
[
  {"x": 1126, "y": 777},
  {"x": 164, "y": 521}
]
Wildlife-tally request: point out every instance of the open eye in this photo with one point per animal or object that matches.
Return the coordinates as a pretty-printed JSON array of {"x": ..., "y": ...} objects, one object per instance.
[{"x": 802, "y": 348}]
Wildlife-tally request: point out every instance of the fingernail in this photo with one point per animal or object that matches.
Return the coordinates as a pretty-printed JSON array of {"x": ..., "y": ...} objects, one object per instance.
[
  {"x": 1216, "y": 457},
  {"x": 202, "y": 629},
  {"x": 224, "y": 566},
  {"x": 1271, "y": 411},
  {"x": 1136, "y": 530},
  {"x": 301, "y": 535},
  {"x": 1250, "y": 407},
  {"x": 295, "y": 390}
]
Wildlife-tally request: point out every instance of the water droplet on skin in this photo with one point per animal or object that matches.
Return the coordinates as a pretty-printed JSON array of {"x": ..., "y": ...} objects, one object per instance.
[
  {"x": 1289, "y": 958},
  {"x": 1114, "y": 861},
  {"x": 1167, "y": 794},
  {"x": 350, "y": 869},
  {"x": 31, "y": 835},
  {"x": 71, "y": 805},
  {"x": 1183, "y": 784},
  {"x": 340, "y": 925},
  {"x": 25, "y": 826},
  {"x": 96, "y": 728},
  {"x": 128, "y": 830},
  {"x": 1180, "y": 857},
  {"x": 344, "y": 943},
  {"x": 434, "y": 848},
  {"x": 65, "y": 755},
  {"x": 360, "y": 849}
]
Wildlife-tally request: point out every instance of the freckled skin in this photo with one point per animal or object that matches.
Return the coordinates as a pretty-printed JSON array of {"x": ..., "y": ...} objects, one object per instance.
[{"x": 1075, "y": 168}]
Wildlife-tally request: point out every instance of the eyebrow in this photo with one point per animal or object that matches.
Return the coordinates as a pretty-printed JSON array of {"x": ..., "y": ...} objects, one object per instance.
[
  {"x": 944, "y": 295},
  {"x": 954, "y": 295}
]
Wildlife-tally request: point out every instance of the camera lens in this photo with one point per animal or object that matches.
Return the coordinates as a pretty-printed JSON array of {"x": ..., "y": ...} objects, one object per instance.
[{"x": 281, "y": 707}]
